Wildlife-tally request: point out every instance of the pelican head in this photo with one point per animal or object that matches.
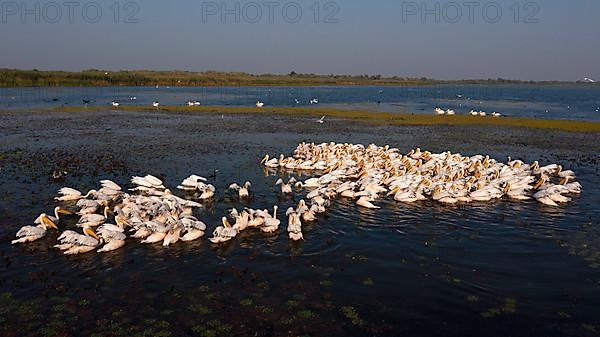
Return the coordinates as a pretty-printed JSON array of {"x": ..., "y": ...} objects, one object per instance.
[
  {"x": 535, "y": 165},
  {"x": 265, "y": 159},
  {"x": 226, "y": 223},
  {"x": 90, "y": 232},
  {"x": 539, "y": 183},
  {"x": 47, "y": 222},
  {"x": 506, "y": 188}
]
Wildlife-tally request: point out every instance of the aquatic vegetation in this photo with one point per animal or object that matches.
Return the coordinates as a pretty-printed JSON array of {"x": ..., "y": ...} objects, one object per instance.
[
  {"x": 305, "y": 314},
  {"x": 368, "y": 282},
  {"x": 350, "y": 313},
  {"x": 199, "y": 308},
  {"x": 472, "y": 298},
  {"x": 508, "y": 307},
  {"x": 291, "y": 303},
  {"x": 373, "y": 118},
  {"x": 213, "y": 328},
  {"x": 246, "y": 302},
  {"x": 326, "y": 283}
]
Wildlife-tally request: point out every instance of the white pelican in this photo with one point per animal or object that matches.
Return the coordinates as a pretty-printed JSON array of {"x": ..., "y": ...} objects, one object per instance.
[
  {"x": 69, "y": 194},
  {"x": 72, "y": 243},
  {"x": 93, "y": 220},
  {"x": 243, "y": 191},
  {"x": 439, "y": 111},
  {"x": 286, "y": 188},
  {"x": 115, "y": 104},
  {"x": 259, "y": 104},
  {"x": 365, "y": 201},
  {"x": 450, "y": 112},
  {"x": 268, "y": 162},
  {"x": 55, "y": 219},
  {"x": 271, "y": 223},
  {"x": 314, "y": 101},
  {"x": 193, "y": 228},
  {"x": 496, "y": 114},
  {"x": 474, "y": 113},
  {"x": 482, "y": 113},
  {"x": 294, "y": 224},
  {"x": 32, "y": 233},
  {"x": 156, "y": 104},
  {"x": 223, "y": 233},
  {"x": 192, "y": 183},
  {"x": 113, "y": 236}
]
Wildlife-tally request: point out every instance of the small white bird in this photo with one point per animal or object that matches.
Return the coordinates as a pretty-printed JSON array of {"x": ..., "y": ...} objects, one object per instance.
[
  {"x": 156, "y": 104},
  {"x": 322, "y": 120},
  {"x": 259, "y": 104},
  {"x": 314, "y": 101}
]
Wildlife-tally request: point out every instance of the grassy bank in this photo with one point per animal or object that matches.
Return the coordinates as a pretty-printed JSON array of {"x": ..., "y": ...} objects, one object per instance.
[
  {"x": 96, "y": 77},
  {"x": 377, "y": 118}
]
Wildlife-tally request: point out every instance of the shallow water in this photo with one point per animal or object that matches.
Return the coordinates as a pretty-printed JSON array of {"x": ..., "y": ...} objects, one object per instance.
[
  {"x": 505, "y": 268},
  {"x": 577, "y": 102}
]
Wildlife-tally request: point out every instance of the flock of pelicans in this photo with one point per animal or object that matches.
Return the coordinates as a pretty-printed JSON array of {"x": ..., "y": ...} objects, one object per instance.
[
  {"x": 156, "y": 104},
  {"x": 450, "y": 112},
  {"x": 151, "y": 213}
]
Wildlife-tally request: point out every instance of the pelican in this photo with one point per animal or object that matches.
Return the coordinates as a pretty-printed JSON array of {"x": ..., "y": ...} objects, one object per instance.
[
  {"x": 286, "y": 188},
  {"x": 156, "y": 104},
  {"x": 113, "y": 236},
  {"x": 294, "y": 224},
  {"x": 474, "y": 113},
  {"x": 259, "y": 104},
  {"x": 69, "y": 194},
  {"x": 314, "y": 101},
  {"x": 439, "y": 111},
  {"x": 223, "y": 233},
  {"x": 115, "y": 104},
  {"x": 93, "y": 220},
  {"x": 482, "y": 113},
  {"x": 72, "y": 243},
  {"x": 271, "y": 223},
  {"x": 450, "y": 112},
  {"x": 268, "y": 162},
  {"x": 365, "y": 201},
  {"x": 192, "y": 183},
  {"x": 55, "y": 219},
  {"x": 496, "y": 114},
  {"x": 243, "y": 191},
  {"x": 32, "y": 233}
]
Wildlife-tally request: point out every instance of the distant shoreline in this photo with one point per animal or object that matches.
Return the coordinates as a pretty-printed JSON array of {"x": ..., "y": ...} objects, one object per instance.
[
  {"x": 15, "y": 78},
  {"x": 376, "y": 118}
]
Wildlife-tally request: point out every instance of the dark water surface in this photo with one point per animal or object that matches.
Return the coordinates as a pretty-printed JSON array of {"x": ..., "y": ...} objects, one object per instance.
[
  {"x": 498, "y": 269},
  {"x": 577, "y": 102}
]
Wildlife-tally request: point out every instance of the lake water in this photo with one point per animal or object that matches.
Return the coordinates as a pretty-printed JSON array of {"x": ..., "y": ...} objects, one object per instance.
[
  {"x": 578, "y": 102},
  {"x": 494, "y": 269}
]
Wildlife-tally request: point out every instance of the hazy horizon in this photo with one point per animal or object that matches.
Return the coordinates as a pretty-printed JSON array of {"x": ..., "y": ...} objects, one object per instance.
[{"x": 552, "y": 40}]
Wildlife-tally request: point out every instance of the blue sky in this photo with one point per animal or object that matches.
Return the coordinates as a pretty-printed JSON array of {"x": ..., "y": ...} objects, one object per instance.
[{"x": 552, "y": 39}]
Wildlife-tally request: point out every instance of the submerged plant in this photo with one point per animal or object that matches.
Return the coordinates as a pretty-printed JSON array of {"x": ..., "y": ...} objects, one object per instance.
[{"x": 350, "y": 313}]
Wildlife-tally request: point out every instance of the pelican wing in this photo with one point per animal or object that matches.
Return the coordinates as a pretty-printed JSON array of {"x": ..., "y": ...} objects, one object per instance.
[{"x": 31, "y": 231}]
